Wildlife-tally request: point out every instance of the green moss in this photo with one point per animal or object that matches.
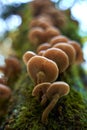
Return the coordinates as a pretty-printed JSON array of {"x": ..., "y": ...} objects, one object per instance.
[{"x": 67, "y": 114}]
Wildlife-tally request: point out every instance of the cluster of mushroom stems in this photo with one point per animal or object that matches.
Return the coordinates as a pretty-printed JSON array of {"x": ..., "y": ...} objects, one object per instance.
[{"x": 54, "y": 55}]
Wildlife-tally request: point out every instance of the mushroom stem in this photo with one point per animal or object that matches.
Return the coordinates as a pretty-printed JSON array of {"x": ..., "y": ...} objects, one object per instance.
[
  {"x": 40, "y": 77},
  {"x": 44, "y": 99},
  {"x": 49, "y": 108}
]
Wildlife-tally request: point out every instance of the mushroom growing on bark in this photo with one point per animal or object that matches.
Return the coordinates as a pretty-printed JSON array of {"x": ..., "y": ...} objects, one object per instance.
[
  {"x": 54, "y": 93},
  {"x": 59, "y": 57},
  {"x": 40, "y": 21},
  {"x": 42, "y": 47},
  {"x": 27, "y": 55},
  {"x": 58, "y": 39},
  {"x": 68, "y": 49},
  {"x": 40, "y": 89},
  {"x": 36, "y": 35},
  {"x": 41, "y": 69},
  {"x": 12, "y": 67},
  {"x": 5, "y": 92},
  {"x": 51, "y": 32},
  {"x": 79, "y": 54}
]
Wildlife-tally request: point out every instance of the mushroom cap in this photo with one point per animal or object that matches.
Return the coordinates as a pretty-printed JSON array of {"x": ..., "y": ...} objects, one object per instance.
[
  {"x": 51, "y": 32},
  {"x": 5, "y": 92},
  {"x": 12, "y": 66},
  {"x": 40, "y": 53},
  {"x": 27, "y": 55},
  {"x": 68, "y": 49},
  {"x": 79, "y": 54},
  {"x": 40, "y": 22},
  {"x": 40, "y": 64},
  {"x": 44, "y": 46},
  {"x": 58, "y": 39},
  {"x": 59, "y": 87},
  {"x": 36, "y": 35},
  {"x": 40, "y": 88},
  {"x": 59, "y": 57}
]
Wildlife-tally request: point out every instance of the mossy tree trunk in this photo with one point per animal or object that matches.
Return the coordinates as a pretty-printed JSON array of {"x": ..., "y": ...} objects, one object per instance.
[{"x": 24, "y": 113}]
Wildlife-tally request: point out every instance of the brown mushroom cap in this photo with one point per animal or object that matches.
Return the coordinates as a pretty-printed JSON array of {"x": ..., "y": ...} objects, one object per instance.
[
  {"x": 59, "y": 87},
  {"x": 12, "y": 66},
  {"x": 68, "y": 49},
  {"x": 44, "y": 46},
  {"x": 58, "y": 39},
  {"x": 42, "y": 69},
  {"x": 5, "y": 92},
  {"x": 36, "y": 35},
  {"x": 51, "y": 32},
  {"x": 59, "y": 57},
  {"x": 40, "y": 53},
  {"x": 79, "y": 54},
  {"x": 40, "y": 22},
  {"x": 27, "y": 55},
  {"x": 40, "y": 89}
]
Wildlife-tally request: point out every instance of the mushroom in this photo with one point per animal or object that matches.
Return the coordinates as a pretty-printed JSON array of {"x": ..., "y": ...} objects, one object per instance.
[
  {"x": 59, "y": 57},
  {"x": 79, "y": 54},
  {"x": 40, "y": 89},
  {"x": 5, "y": 93},
  {"x": 51, "y": 32},
  {"x": 27, "y": 55},
  {"x": 53, "y": 93},
  {"x": 3, "y": 79},
  {"x": 41, "y": 69},
  {"x": 40, "y": 53},
  {"x": 69, "y": 50},
  {"x": 12, "y": 67},
  {"x": 36, "y": 35},
  {"x": 44, "y": 46},
  {"x": 40, "y": 22},
  {"x": 58, "y": 39}
]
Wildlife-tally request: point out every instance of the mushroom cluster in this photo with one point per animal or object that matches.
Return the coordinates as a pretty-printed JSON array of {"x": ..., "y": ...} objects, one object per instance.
[
  {"x": 54, "y": 54},
  {"x": 8, "y": 72}
]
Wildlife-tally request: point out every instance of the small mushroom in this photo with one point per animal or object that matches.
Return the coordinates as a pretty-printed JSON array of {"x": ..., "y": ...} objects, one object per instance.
[
  {"x": 40, "y": 22},
  {"x": 36, "y": 35},
  {"x": 12, "y": 67},
  {"x": 41, "y": 69},
  {"x": 54, "y": 93},
  {"x": 51, "y": 32},
  {"x": 40, "y": 53},
  {"x": 3, "y": 79},
  {"x": 68, "y": 49},
  {"x": 5, "y": 93},
  {"x": 59, "y": 57},
  {"x": 27, "y": 55},
  {"x": 44, "y": 46},
  {"x": 79, "y": 54},
  {"x": 58, "y": 39},
  {"x": 40, "y": 89}
]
